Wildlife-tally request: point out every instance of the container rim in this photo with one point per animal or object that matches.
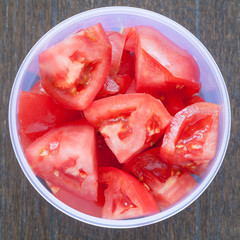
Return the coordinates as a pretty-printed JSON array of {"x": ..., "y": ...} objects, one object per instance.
[{"x": 129, "y": 223}]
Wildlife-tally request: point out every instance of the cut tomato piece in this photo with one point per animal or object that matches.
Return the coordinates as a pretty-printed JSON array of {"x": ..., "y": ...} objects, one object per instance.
[
  {"x": 37, "y": 88},
  {"x": 117, "y": 41},
  {"x": 38, "y": 113},
  {"x": 74, "y": 201},
  {"x": 129, "y": 123},
  {"x": 130, "y": 34},
  {"x": 193, "y": 99},
  {"x": 66, "y": 158},
  {"x": 106, "y": 158},
  {"x": 127, "y": 65},
  {"x": 74, "y": 70},
  {"x": 191, "y": 139},
  {"x": 116, "y": 83},
  {"x": 125, "y": 196},
  {"x": 167, "y": 183},
  {"x": 161, "y": 65}
]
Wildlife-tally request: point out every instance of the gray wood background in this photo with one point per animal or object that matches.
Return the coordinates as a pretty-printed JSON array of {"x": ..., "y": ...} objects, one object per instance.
[{"x": 26, "y": 215}]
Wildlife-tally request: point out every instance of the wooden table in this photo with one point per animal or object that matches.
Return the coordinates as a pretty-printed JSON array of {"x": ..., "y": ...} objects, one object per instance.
[{"x": 24, "y": 214}]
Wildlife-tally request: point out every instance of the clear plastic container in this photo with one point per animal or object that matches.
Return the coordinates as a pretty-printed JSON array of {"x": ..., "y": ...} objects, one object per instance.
[{"x": 115, "y": 18}]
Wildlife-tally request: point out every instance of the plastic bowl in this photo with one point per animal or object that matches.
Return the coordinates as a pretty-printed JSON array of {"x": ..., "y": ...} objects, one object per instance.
[{"x": 115, "y": 18}]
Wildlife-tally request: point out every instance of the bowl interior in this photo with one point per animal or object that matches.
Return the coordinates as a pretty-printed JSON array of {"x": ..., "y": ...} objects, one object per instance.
[{"x": 116, "y": 18}]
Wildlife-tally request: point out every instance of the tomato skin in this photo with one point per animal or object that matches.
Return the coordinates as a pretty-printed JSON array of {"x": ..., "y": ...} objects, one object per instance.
[
  {"x": 129, "y": 123},
  {"x": 161, "y": 65},
  {"x": 74, "y": 70},
  {"x": 125, "y": 196},
  {"x": 130, "y": 43},
  {"x": 190, "y": 141},
  {"x": 167, "y": 183},
  {"x": 117, "y": 41},
  {"x": 38, "y": 113},
  {"x": 66, "y": 158}
]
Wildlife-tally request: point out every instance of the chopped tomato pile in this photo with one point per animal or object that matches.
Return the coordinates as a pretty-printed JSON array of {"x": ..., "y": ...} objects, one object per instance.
[{"x": 115, "y": 126}]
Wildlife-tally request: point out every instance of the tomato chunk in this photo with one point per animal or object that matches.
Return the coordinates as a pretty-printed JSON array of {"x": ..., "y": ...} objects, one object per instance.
[
  {"x": 74, "y": 70},
  {"x": 38, "y": 113},
  {"x": 125, "y": 196},
  {"x": 119, "y": 78},
  {"x": 129, "y": 123},
  {"x": 161, "y": 65},
  {"x": 167, "y": 183},
  {"x": 191, "y": 139},
  {"x": 66, "y": 158}
]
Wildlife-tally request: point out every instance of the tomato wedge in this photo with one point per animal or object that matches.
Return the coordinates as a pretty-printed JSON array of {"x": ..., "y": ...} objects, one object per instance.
[
  {"x": 125, "y": 196},
  {"x": 66, "y": 158},
  {"x": 38, "y": 113},
  {"x": 129, "y": 123},
  {"x": 74, "y": 70},
  {"x": 167, "y": 183},
  {"x": 119, "y": 78},
  {"x": 131, "y": 38},
  {"x": 161, "y": 65},
  {"x": 191, "y": 139}
]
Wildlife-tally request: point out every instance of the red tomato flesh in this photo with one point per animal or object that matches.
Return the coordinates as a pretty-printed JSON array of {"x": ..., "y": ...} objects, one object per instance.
[
  {"x": 191, "y": 139},
  {"x": 125, "y": 196},
  {"x": 66, "y": 158},
  {"x": 130, "y": 123},
  {"x": 72, "y": 200},
  {"x": 119, "y": 78},
  {"x": 74, "y": 70},
  {"x": 162, "y": 65},
  {"x": 193, "y": 99},
  {"x": 167, "y": 183},
  {"x": 38, "y": 113}
]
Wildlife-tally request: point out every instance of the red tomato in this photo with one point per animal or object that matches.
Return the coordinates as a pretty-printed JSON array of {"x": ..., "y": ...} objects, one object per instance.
[
  {"x": 173, "y": 102},
  {"x": 117, "y": 41},
  {"x": 106, "y": 158},
  {"x": 127, "y": 64},
  {"x": 129, "y": 123},
  {"x": 111, "y": 86},
  {"x": 73, "y": 201},
  {"x": 161, "y": 65},
  {"x": 167, "y": 183},
  {"x": 125, "y": 196},
  {"x": 193, "y": 99},
  {"x": 118, "y": 80},
  {"x": 38, "y": 113},
  {"x": 74, "y": 70},
  {"x": 37, "y": 88},
  {"x": 130, "y": 34},
  {"x": 191, "y": 139},
  {"x": 66, "y": 157}
]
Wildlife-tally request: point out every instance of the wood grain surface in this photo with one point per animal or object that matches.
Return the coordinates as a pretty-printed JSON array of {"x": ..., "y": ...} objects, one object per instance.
[{"x": 24, "y": 214}]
